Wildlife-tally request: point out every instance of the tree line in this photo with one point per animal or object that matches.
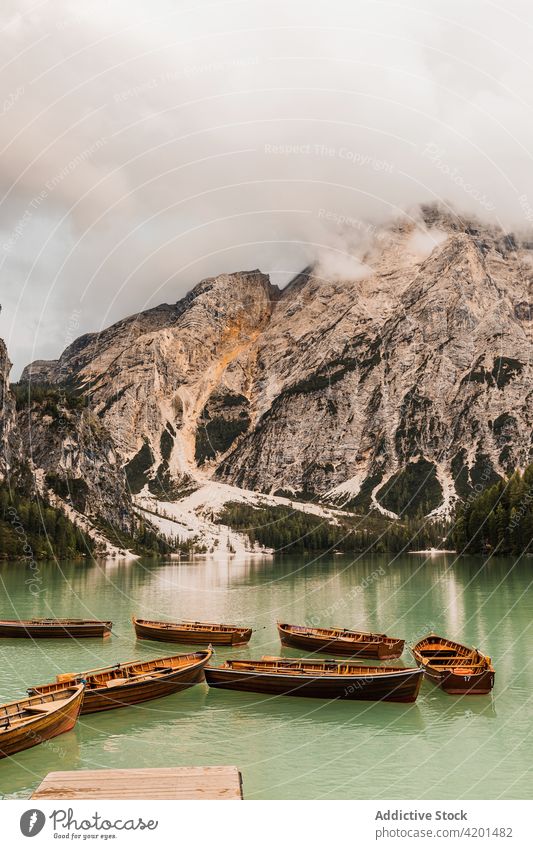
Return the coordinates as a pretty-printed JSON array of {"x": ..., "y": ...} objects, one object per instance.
[
  {"x": 288, "y": 530},
  {"x": 31, "y": 529},
  {"x": 499, "y": 519}
]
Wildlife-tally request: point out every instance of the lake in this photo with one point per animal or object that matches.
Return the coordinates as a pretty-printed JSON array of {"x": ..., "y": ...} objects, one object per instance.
[{"x": 290, "y": 748}]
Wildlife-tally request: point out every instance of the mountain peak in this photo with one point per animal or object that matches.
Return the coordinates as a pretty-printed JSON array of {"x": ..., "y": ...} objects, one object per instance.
[{"x": 335, "y": 385}]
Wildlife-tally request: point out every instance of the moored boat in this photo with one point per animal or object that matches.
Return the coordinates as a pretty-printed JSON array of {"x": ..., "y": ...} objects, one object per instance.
[
  {"x": 323, "y": 679},
  {"x": 342, "y": 641},
  {"x": 44, "y": 628},
  {"x": 34, "y": 719},
  {"x": 457, "y": 669},
  {"x": 190, "y": 632},
  {"x": 133, "y": 682}
]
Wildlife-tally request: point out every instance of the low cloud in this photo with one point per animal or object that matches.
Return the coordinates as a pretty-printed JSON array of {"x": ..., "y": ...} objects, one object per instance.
[
  {"x": 147, "y": 145},
  {"x": 422, "y": 242}
]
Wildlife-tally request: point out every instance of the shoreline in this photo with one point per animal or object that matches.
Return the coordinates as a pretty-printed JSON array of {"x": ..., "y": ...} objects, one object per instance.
[{"x": 434, "y": 551}]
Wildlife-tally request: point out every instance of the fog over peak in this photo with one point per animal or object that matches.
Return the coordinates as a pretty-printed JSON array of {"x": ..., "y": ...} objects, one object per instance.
[{"x": 146, "y": 145}]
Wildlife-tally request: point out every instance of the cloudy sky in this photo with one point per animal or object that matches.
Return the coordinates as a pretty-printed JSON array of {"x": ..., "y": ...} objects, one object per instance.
[{"x": 146, "y": 144}]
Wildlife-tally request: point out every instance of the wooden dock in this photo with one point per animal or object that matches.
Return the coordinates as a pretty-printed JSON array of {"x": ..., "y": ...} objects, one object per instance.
[{"x": 182, "y": 782}]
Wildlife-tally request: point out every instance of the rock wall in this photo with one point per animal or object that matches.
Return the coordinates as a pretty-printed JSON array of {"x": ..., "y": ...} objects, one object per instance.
[
  {"x": 9, "y": 441},
  {"x": 401, "y": 389}
]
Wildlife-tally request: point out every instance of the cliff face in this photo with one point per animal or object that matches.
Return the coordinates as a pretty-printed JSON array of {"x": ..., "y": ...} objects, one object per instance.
[
  {"x": 54, "y": 447},
  {"x": 9, "y": 441},
  {"x": 414, "y": 382},
  {"x": 150, "y": 377},
  {"x": 402, "y": 389},
  {"x": 64, "y": 443},
  {"x": 75, "y": 460}
]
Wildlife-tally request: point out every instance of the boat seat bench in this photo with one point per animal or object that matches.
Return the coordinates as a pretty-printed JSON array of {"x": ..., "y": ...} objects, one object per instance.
[
  {"x": 117, "y": 682},
  {"x": 46, "y": 708},
  {"x": 445, "y": 660},
  {"x": 450, "y": 663},
  {"x": 23, "y": 715}
]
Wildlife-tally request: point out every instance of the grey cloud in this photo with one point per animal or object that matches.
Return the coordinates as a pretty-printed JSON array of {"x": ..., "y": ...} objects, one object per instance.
[{"x": 148, "y": 144}]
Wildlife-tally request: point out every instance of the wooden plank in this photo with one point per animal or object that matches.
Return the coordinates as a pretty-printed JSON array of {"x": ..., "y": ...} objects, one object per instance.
[{"x": 195, "y": 782}]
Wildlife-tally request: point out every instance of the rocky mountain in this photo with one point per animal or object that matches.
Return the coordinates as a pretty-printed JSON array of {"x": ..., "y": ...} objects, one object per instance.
[
  {"x": 74, "y": 457},
  {"x": 402, "y": 387},
  {"x": 410, "y": 385},
  {"x": 151, "y": 379},
  {"x": 53, "y": 445},
  {"x": 9, "y": 438}
]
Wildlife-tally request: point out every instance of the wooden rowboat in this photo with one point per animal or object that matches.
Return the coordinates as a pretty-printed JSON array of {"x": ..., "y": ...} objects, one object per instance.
[
  {"x": 340, "y": 641},
  {"x": 456, "y": 668},
  {"x": 133, "y": 682},
  {"x": 30, "y": 721},
  {"x": 202, "y": 633},
  {"x": 38, "y": 628},
  {"x": 322, "y": 679}
]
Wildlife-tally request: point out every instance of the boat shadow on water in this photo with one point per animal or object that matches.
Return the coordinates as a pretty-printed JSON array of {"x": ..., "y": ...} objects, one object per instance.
[
  {"x": 142, "y": 719},
  {"x": 21, "y": 773},
  {"x": 444, "y": 708},
  {"x": 110, "y": 731},
  {"x": 333, "y": 713}
]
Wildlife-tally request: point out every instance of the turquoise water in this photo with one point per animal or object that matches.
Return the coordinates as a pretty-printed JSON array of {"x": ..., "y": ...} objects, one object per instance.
[{"x": 289, "y": 748}]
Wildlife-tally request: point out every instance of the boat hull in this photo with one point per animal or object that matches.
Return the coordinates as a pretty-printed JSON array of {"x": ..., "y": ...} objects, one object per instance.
[
  {"x": 191, "y": 636},
  {"x": 393, "y": 687},
  {"x": 456, "y": 684},
  {"x": 457, "y": 669},
  {"x": 41, "y": 729},
  {"x": 134, "y": 692},
  {"x": 144, "y": 691},
  {"x": 347, "y": 648},
  {"x": 61, "y": 631}
]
